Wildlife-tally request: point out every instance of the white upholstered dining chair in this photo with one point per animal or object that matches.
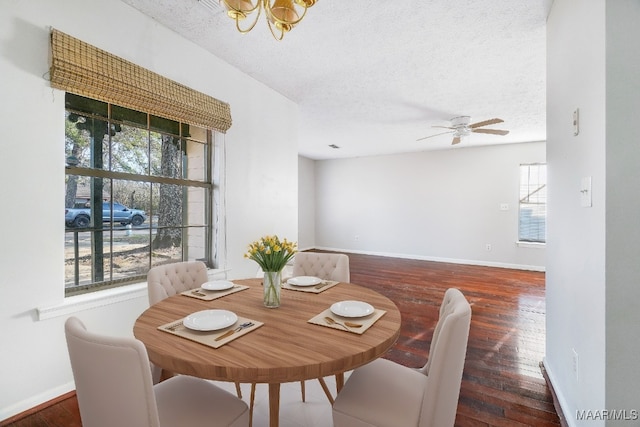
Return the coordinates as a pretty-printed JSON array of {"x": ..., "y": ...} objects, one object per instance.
[
  {"x": 167, "y": 280},
  {"x": 326, "y": 266},
  {"x": 386, "y": 394},
  {"x": 114, "y": 387}
]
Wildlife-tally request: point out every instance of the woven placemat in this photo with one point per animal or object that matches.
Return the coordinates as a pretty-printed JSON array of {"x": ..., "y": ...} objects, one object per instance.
[
  {"x": 320, "y": 287},
  {"x": 206, "y": 295},
  {"x": 366, "y": 322},
  {"x": 208, "y": 338}
]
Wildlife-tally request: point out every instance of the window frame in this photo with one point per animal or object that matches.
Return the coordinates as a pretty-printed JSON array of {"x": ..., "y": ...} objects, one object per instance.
[{"x": 75, "y": 287}]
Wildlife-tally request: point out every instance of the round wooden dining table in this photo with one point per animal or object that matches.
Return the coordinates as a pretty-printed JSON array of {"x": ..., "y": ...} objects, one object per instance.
[{"x": 286, "y": 348}]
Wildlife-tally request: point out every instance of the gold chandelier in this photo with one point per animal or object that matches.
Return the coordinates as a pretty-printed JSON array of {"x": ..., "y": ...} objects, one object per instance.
[{"x": 282, "y": 15}]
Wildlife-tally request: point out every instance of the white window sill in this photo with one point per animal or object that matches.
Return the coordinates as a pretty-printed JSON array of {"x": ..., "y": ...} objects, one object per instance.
[
  {"x": 533, "y": 245},
  {"x": 97, "y": 299}
]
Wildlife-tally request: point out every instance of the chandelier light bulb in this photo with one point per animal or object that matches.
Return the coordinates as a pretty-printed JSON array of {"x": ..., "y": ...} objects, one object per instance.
[{"x": 281, "y": 16}]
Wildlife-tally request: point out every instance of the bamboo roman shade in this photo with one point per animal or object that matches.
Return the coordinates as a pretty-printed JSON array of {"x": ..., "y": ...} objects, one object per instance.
[{"x": 85, "y": 70}]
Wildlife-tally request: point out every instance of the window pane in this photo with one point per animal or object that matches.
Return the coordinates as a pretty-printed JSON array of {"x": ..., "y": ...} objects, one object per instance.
[
  {"x": 86, "y": 141},
  {"x": 197, "y": 238},
  {"x": 195, "y": 161},
  {"x": 77, "y": 258},
  {"x": 77, "y": 141},
  {"x": 83, "y": 195},
  {"x": 130, "y": 150},
  {"x": 164, "y": 249},
  {"x": 130, "y": 200},
  {"x": 167, "y": 152},
  {"x": 129, "y": 252},
  {"x": 533, "y": 203},
  {"x": 170, "y": 202},
  {"x": 196, "y": 202}
]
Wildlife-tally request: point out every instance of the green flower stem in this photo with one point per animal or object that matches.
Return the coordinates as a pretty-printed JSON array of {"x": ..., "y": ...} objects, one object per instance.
[{"x": 271, "y": 285}]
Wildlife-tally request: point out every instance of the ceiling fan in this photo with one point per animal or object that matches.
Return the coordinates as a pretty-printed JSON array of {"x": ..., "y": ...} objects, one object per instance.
[{"x": 460, "y": 127}]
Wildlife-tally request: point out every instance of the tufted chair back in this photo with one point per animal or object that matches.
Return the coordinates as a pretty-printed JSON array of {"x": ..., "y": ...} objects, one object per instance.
[
  {"x": 169, "y": 279},
  {"x": 321, "y": 265}
]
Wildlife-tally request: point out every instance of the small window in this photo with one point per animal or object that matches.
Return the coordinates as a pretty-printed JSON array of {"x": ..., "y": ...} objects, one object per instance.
[
  {"x": 532, "y": 224},
  {"x": 138, "y": 194}
]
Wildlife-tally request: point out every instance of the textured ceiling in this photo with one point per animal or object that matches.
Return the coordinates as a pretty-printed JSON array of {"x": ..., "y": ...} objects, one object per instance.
[{"x": 372, "y": 77}]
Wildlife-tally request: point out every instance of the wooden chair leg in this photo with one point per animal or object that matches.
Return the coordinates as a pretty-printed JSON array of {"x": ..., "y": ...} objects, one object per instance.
[
  {"x": 252, "y": 398},
  {"x": 339, "y": 381},
  {"x": 326, "y": 390}
]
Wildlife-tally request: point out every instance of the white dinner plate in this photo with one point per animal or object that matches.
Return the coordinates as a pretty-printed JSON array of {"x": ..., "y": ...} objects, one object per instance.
[
  {"x": 210, "y": 320},
  {"x": 217, "y": 285},
  {"x": 351, "y": 309},
  {"x": 304, "y": 281}
]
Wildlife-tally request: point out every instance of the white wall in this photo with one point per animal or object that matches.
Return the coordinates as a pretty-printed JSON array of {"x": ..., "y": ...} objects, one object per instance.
[
  {"x": 592, "y": 269},
  {"x": 306, "y": 203},
  {"x": 623, "y": 204},
  {"x": 435, "y": 205},
  {"x": 261, "y": 191}
]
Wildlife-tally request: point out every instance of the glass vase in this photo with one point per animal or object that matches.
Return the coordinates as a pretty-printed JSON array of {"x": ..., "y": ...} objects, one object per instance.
[{"x": 271, "y": 288}]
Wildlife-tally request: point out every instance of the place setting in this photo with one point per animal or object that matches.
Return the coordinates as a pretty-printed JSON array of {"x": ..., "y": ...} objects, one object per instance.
[
  {"x": 351, "y": 316},
  {"x": 213, "y": 328},
  {"x": 214, "y": 289},
  {"x": 308, "y": 284}
]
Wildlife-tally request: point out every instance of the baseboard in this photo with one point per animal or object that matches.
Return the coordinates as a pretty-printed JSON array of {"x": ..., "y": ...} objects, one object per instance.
[
  {"x": 559, "y": 402},
  {"x": 439, "y": 259},
  {"x": 36, "y": 403}
]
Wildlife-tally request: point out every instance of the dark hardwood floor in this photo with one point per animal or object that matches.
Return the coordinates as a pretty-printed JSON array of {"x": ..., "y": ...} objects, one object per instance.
[{"x": 502, "y": 383}]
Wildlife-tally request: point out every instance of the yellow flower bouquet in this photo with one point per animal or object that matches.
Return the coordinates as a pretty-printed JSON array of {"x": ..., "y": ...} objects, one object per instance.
[{"x": 271, "y": 254}]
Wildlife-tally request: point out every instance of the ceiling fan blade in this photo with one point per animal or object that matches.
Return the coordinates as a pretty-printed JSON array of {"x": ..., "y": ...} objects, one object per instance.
[
  {"x": 456, "y": 140},
  {"x": 486, "y": 123},
  {"x": 431, "y": 136},
  {"x": 443, "y": 127},
  {"x": 491, "y": 131}
]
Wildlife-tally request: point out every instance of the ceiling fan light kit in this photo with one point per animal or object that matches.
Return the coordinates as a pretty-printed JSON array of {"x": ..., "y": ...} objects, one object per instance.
[
  {"x": 461, "y": 127},
  {"x": 282, "y": 15}
]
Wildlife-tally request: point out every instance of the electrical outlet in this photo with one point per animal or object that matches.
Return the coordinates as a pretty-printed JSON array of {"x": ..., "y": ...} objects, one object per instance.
[
  {"x": 488, "y": 247},
  {"x": 575, "y": 363},
  {"x": 356, "y": 237}
]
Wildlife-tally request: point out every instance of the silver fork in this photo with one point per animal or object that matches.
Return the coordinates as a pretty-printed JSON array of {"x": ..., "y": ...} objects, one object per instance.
[
  {"x": 233, "y": 331},
  {"x": 322, "y": 284}
]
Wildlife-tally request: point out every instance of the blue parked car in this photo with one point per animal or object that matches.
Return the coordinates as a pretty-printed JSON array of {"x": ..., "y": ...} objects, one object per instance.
[{"x": 81, "y": 217}]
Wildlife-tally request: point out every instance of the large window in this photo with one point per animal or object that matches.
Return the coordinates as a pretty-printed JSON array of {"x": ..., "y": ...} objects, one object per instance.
[
  {"x": 138, "y": 194},
  {"x": 533, "y": 203}
]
